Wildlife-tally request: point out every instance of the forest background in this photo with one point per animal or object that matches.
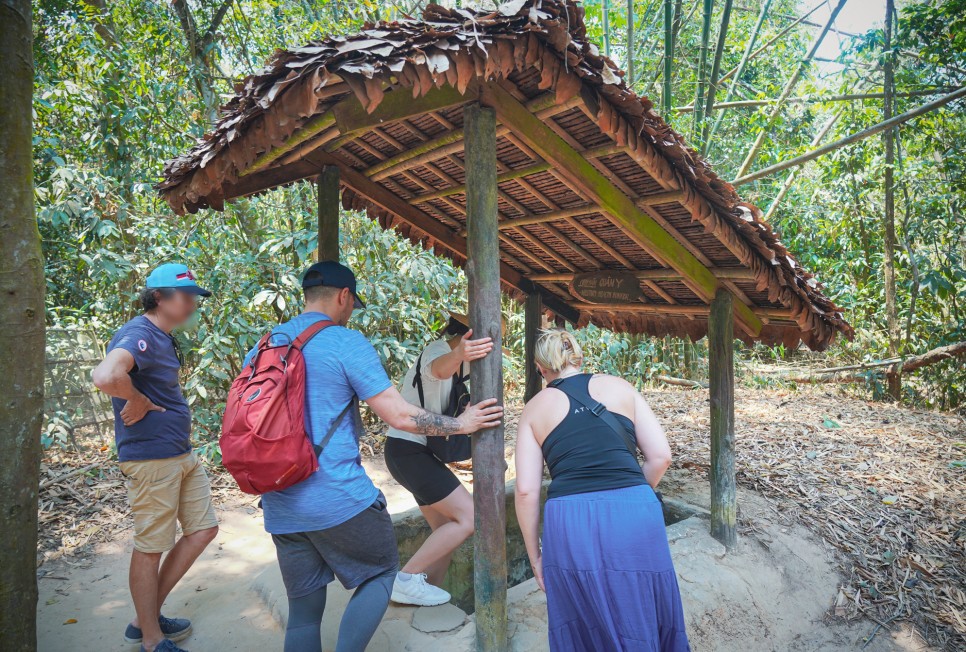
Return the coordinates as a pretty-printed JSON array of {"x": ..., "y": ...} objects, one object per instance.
[{"x": 123, "y": 85}]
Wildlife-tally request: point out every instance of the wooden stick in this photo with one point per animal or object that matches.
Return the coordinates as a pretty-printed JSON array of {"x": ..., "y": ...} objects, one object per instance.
[
  {"x": 533, "y": 380},
  {"x": 67, "y": 476},
  {"x": 681, "y": 382},
  {"x": 854, "y": 138},
  {"x": 328, "y": 215}
]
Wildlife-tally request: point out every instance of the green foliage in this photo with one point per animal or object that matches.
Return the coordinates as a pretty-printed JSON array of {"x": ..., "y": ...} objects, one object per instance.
[{"x": 118, "y": 92}]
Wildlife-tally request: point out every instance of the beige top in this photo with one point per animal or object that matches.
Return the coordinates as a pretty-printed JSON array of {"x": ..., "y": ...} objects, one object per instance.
[{"x": 435, "y": 390}]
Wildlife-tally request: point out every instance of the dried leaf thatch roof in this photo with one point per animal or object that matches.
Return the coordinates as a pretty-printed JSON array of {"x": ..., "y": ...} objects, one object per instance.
[{"x": 591, "y": 177}]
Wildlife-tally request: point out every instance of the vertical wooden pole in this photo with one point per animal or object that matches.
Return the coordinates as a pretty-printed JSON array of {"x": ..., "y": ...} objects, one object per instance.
[
  {"x": 486, "y": 378},
  {"x": 328, "y": 185},
  {"x": 721, "y": 377},
  {"x": 534, "y": 315}
]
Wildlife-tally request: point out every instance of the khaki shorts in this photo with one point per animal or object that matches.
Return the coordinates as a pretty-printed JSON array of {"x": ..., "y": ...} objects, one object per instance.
[{"x": 164, "y": 492}]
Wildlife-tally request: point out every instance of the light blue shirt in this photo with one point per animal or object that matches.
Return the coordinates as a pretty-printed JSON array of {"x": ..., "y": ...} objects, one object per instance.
[{"x": 339, "y": 364}]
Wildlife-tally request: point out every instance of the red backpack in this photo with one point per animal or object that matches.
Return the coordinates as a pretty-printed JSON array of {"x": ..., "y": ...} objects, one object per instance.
[{"x": 264, "y": 443}]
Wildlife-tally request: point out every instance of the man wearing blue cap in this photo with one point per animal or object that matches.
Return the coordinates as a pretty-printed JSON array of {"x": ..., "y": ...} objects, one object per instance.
[
  {"x": 152, "y": 428},
  {"x": 335, "y": 524}
]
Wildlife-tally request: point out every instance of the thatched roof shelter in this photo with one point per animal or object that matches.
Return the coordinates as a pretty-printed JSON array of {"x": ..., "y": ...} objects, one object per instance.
[{"x": 590, "y": 177}]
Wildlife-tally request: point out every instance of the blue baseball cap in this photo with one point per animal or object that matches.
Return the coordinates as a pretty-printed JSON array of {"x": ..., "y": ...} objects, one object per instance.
[
  {"x": 177, "y": 277},
  {"x": 332, "y": 274}
]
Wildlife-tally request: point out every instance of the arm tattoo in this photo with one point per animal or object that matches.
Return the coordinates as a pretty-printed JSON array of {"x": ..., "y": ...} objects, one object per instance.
[{"x": 428, "y": 423}]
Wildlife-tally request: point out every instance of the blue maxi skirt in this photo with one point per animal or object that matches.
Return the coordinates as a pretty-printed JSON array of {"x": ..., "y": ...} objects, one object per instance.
[{"x": 610, "y": 582}]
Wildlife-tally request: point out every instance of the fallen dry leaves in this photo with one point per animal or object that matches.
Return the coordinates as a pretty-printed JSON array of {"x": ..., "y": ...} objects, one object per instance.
[{"x": 885, "y": 485}]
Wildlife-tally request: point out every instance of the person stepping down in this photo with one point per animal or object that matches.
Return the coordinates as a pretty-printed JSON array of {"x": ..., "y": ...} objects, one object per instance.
[{"x": 436, "y": 382}]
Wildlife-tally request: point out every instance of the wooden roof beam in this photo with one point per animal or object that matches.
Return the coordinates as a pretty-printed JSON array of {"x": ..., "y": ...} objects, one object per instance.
[
  {"x": 597, "y": 188},
  {"x": 384, "y": 198},
  {"x": 724, "y": 273},
  {"x": 685, "y": 311},
  {"x": 351, "y": 119}
]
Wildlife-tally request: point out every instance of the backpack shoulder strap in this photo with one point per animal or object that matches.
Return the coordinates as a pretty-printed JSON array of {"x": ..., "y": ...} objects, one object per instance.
[
  {"x": 418, "y": 381},
  {"x": 335, "y": 426},
  {"x": 598, "y": 409},
  {"x": 311, "y": 332}
]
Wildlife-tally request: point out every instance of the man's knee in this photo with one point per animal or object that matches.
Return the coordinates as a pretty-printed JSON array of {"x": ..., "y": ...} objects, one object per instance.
[{"x": 203, "y": 537}]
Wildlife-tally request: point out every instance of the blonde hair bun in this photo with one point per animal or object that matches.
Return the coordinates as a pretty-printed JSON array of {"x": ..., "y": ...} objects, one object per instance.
[{"x": 557, "y": 348}]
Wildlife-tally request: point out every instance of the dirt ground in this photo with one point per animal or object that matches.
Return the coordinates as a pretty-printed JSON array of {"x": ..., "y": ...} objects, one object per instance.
[{"x": 810, "y": 574}]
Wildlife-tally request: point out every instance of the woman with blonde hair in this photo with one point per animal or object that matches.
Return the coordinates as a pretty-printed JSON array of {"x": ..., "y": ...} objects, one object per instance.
[{"x": 605, "y": 562}]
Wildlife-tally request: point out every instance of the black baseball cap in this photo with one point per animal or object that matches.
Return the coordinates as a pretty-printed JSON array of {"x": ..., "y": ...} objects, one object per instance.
[{"x": 334, "y": 275}]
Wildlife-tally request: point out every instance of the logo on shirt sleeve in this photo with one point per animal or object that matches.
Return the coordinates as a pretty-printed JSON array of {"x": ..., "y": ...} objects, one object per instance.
[{"x": 142, "y": 346}]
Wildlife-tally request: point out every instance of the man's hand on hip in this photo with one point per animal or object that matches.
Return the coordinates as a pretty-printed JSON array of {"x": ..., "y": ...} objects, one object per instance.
[{"x": 137, "y": 408}]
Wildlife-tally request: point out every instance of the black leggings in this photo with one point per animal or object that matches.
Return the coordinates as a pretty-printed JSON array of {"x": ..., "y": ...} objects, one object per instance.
[{"x": 359, "y": 622}]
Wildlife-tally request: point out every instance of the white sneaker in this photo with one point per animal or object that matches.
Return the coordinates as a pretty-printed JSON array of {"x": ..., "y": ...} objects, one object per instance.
[{"x": 416, "y": 590}]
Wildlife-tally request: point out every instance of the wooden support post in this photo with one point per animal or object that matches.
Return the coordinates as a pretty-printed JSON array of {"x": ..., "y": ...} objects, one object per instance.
[
  {"x": 721, "y": 379},
  {"x": 328, "y": 185},
  {"x": 486, "y": 378},
  {"x": 534, "y": 314}
]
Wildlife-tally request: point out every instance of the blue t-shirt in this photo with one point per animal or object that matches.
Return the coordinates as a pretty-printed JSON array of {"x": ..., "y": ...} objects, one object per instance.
[
  {"x": 159, "y": 435},
  {"x": 339, "y": 364}
]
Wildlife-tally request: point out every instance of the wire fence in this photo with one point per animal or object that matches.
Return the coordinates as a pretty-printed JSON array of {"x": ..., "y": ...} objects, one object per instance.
[{"x": 71, "y": 402}]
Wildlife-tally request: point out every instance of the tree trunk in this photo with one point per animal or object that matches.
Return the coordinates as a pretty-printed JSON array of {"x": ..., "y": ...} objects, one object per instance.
[
  {"x": 889, "y": 214},
  {"x": 21, "y": 336}
]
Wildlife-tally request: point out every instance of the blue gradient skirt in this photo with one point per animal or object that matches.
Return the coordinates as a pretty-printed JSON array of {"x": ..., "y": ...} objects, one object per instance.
[{"x": 607, "y": 567}]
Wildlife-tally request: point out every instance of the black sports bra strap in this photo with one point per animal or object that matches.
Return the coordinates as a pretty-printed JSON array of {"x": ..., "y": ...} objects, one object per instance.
[{"x": 580, "y": 394}]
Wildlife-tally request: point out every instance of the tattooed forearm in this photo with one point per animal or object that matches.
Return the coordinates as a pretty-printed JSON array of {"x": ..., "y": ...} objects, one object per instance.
[{"x": 427, "y": 423}]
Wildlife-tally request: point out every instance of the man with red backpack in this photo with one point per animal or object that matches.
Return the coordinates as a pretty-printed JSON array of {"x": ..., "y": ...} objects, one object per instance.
[{"x": 334, "y": 524}]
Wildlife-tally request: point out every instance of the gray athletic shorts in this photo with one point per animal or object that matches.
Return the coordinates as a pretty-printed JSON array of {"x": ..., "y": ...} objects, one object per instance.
[{"x": 355, "y": 551}]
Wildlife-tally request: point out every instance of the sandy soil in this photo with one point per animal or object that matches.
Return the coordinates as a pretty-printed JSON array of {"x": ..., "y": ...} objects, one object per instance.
[{"x": 772, "y": 595}]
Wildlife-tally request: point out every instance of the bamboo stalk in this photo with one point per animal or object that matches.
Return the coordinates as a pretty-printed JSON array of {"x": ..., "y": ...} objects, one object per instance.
[
  {"x": 666, "y": 93},
  {"x": 715, "y": 71},
  {"x": 787, "y": 91},
  {"x": 630, "y": 42},
  {"x": 702, "y": 66},
  {"x": 734, "y": 71},
  {"x": 847, "y": 97},
  {"x": 854, "y": 138},
  {"x": 745, "y": 58},
  {"x": 606, "y": 12},
  {"x": 790, "y": 179}
]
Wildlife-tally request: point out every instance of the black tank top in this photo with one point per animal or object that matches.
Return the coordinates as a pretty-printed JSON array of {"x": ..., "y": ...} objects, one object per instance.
[{"x": 584, "y": 454}]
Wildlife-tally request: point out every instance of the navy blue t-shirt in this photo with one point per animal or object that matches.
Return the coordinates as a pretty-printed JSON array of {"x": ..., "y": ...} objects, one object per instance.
[{"x": 159, "y": 435}]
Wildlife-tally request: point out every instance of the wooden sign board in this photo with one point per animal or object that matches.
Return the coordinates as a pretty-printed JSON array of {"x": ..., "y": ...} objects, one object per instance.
[{"x": 607, "y": 287}]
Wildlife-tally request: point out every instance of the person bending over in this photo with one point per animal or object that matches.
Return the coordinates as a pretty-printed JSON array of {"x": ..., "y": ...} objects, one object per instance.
[
  {"x": 605, "y": 562},
  {"x": 335, "y": 523},
  {"x": 166, "y": 483},
  {"x": 444, "y": 502}
]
